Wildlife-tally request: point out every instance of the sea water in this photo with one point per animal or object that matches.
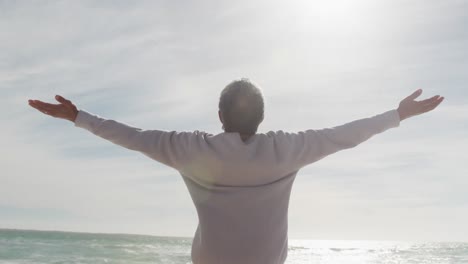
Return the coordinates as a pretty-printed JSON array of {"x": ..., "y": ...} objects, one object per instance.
[{"x": 27, "y": 246}]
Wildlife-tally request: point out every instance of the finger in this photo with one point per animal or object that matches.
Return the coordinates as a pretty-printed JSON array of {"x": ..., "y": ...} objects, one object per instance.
[
  {"x": 42, "y": 104},
  {"x": 35, "y": 104},
  {"x": 45, "y": 108},
  {"x": 429, "y": 100},
  {"x": 432, "y": 106},
  {"x": 62, "y": 100},
  {"x": 42, "y": 109},
  {"x": 414, "y": 95}
]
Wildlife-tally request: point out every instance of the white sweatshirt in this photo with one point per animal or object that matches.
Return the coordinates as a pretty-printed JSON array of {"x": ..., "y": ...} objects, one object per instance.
[{"x": 240, "y": 189}]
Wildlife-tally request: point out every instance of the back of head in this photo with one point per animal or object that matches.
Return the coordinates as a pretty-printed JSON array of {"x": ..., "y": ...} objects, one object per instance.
[{"x": 242, "y": 107}]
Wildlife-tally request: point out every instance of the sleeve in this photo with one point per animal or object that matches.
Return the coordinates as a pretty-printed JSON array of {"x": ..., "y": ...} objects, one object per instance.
[
  {"x": 311, "y": 145},
  {"x": 170, "y": 148}
]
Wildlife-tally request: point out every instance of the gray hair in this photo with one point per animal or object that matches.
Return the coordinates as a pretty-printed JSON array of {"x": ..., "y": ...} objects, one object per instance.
[{"x": 242, "y": 107}]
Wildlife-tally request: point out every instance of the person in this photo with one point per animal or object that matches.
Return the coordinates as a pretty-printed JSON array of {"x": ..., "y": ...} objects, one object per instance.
[{"x": 239, "y": 180}]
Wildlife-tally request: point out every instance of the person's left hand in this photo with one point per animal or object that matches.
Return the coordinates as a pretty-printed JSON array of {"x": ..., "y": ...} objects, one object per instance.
[{"x": 65, "y": 110}]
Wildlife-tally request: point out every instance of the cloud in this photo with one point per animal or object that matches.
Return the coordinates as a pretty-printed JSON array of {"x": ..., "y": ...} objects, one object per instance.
[{"x": 162, "y": 65}]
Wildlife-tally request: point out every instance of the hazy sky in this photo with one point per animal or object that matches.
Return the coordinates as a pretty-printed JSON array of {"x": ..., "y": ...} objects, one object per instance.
[{"x": 162, "y": 65}]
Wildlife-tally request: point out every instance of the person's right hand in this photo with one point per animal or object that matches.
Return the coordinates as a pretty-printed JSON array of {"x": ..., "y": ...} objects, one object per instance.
[
  {"x": 409, "y": 107},
  {"x": 65, "y": 110}
]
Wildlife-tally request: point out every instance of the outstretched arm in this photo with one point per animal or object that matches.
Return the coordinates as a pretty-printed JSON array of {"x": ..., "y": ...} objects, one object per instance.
[
  {"x": 311, "y": 145},
  {"x": 170, "y": 148}
]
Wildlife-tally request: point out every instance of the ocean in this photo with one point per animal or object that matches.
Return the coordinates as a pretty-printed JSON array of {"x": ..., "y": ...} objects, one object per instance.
[{"x": 28, "y": 246}]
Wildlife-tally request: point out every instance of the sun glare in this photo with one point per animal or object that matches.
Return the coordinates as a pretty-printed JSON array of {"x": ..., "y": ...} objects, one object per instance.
[{"x": 335, "y": 16}]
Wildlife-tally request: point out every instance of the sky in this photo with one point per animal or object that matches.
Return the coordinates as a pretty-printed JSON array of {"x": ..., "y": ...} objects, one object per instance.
[{"x": 162, "y": 65}]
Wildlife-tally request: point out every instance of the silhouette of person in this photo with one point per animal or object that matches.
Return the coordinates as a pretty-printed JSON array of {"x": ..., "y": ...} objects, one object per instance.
[{"x": 239, "y": 180}]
